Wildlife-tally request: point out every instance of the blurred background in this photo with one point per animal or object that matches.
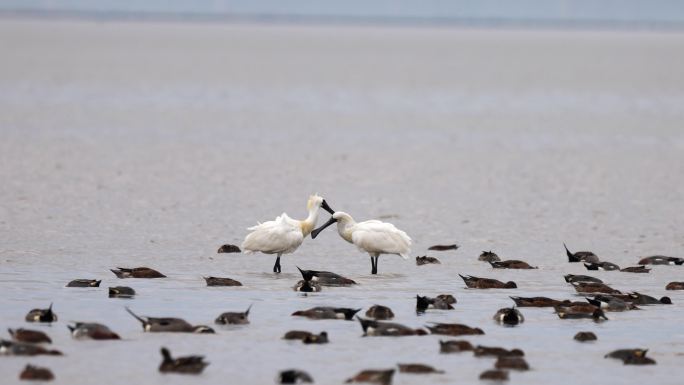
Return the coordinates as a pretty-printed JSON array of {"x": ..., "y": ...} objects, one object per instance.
[
  {"x": 151, "y": 132},
  {"x": 603, "y": 13}
]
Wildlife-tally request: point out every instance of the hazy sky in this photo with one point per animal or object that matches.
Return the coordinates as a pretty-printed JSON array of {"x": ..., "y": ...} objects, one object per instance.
[{"x": 651, "y": 11}]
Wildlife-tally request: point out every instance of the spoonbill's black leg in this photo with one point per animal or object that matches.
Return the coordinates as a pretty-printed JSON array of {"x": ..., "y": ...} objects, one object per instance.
[{"x": 276, "y": 267}]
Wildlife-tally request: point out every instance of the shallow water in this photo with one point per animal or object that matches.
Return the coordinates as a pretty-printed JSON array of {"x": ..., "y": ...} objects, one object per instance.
[{"x": 152, "y": 144}]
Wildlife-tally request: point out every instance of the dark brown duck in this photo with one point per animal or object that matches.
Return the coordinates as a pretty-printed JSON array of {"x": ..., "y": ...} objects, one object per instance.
[
  {"x": 486, "y": 283},
  {"x": 325, "y": 312},
  {"x": 454, "y": 346},
  {"x": 121, "y": 292},
  {"x": 382, "y": 377},
  {"x": 41, "y": 315},
  {"x": 36, "y": 373},
  {"x": 84, "y": 283},
  {"x": 606, "y": 266},
  {"x": 443, "y": 247},
  {"x": 380, "y": 312},
  {"x": 10, "y": 348},
  {"x": 570, "y": 278},
  {"x": 495, "y": 351},
  {"x": 29, "y": 336},
  {"x": 425, "y": 260},
  {"x": 92, "y": 330},
  {"x": 418, "y": 369},
  {"x": 581, "y": 256},
  {"x": 635, "y": 269},
  {"x": 585, "y": 336},
  {"x": 293, "y": 376},
  {"x": 221, "y": 281},
  {"x": 661, "y": 260},
  {"x": 137, "y": 272},
  {"x": 453, "y": 329},
  {"x": 538, "y": 302},
  {"x": 494, "y": 375},
  {"x": 326, "y": 278},
  {"x": 167, "y": 324},
  {"x": 592, "y": 287},
  {"x": 233, "y": 318},
  {"x": 228, "y": 248},
  {"x": 183, "y": 365},
  {"x": 512, "y": 264},
  {"x": 488, "y": 256},
  {"x": 511, "y": 362},
  {"x": 375, "y": 328}
]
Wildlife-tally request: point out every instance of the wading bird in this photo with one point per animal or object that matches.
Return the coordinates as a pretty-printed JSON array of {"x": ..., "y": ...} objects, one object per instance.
[
  {"x": 374, "y": 237},
  {"x": 284, "y": 234}
]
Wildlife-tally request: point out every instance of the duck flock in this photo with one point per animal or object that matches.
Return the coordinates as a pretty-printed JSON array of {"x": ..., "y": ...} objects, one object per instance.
[{"x": 284, "y": 235}]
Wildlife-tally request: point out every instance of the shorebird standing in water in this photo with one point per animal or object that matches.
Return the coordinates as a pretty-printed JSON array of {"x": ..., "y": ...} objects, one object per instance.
[
  {"x": 374, "y": 237},
  {"x": 284, "y": 234}
]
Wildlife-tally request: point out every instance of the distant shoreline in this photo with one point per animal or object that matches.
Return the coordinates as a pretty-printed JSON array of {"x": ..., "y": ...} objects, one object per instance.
[{"x": 350, "y": 20}]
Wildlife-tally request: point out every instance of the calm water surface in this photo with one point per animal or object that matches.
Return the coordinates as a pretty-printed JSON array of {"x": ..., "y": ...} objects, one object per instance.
[{"x": 124, "y": 149}]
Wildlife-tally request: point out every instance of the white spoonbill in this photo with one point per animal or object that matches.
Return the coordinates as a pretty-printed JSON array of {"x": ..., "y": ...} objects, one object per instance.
[
  {"x": 374, "y": 237},
  {"x": 284, "y": 234}
]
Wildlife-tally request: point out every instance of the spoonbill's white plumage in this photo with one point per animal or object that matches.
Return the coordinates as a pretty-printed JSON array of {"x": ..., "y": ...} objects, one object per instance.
[
  {"x": 374, "y": 237},
  {"x": 284, "y": 234}
]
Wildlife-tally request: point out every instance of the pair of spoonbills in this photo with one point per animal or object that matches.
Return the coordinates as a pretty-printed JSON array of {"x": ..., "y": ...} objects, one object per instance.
[{"x": 284, "y": 234}]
